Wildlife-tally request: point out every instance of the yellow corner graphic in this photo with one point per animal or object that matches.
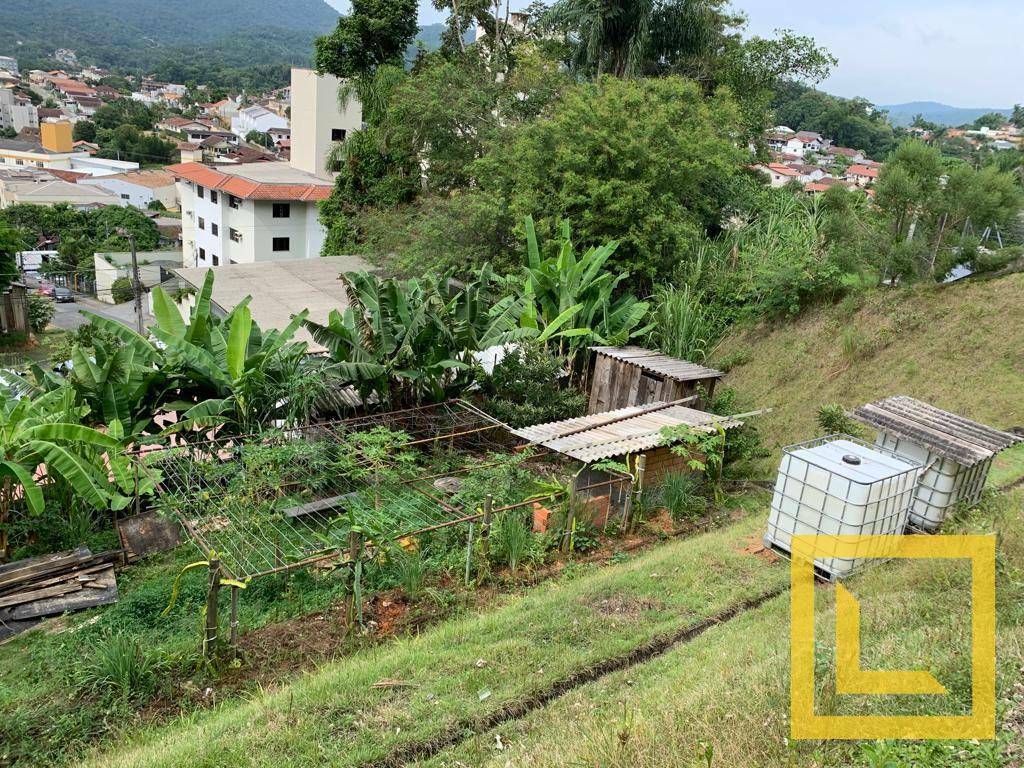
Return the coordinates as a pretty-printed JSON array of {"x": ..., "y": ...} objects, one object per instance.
[{"x": 850, "y": 678}]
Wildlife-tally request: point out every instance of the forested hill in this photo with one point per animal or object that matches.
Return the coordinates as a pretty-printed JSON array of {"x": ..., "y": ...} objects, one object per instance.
[
  {"x": 934, "y": 112},
  {"x": 184, "y": 39}
]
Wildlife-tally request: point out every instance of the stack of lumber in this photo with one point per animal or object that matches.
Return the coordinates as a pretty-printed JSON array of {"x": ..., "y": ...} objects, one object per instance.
[{"x": 35, "y": 588}]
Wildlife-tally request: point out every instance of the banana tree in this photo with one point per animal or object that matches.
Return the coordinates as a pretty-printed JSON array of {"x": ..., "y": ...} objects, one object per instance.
[
  {"x": 42, "y": 442},
  {"x": 399, "y": 341},
  {"x": 227, "y": 371},
  {"x": 579, "y": 286}
]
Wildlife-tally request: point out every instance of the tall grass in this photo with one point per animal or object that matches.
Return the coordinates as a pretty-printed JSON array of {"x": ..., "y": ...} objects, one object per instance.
[
  {"x": 684, "y": 326},
  {"x": 122, "y": 667}
]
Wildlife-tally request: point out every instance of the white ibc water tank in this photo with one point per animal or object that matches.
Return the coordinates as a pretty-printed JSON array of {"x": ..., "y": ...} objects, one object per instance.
[
  {"x": 944, "y": 483},
  {"x": 840, "y": 486}
]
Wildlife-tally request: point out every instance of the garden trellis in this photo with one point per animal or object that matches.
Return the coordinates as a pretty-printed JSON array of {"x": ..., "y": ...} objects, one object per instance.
[{"x": 288, "y": 499}]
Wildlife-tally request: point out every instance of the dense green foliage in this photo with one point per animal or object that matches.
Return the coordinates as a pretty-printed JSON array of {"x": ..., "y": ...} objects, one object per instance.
[
  {"x": 231, "y": 42},
  {"x": 854, "y": 123},
  {"x": 80, "y": 234},
  {"x": 528, "y": 386},
  {"x": 374, "y": 32}
]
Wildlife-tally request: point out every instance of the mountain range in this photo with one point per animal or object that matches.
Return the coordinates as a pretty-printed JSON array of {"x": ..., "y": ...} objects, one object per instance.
[{"x": 935, "y": 112}]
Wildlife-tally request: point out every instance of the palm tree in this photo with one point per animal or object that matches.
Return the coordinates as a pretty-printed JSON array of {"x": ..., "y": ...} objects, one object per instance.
[{"x": 625, "y": 38}]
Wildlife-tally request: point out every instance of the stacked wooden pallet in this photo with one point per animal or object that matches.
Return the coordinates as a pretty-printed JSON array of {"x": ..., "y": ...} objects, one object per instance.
[{"x": 32, "y": 589}]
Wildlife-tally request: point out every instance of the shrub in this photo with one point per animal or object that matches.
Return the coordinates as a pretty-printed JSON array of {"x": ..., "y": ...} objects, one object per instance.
[
  {"x": 832, "y": 420},
  {"x": 512, "y": 543},
  {"x": 525, "y": 388},
  {"x": 40, "y": 312},
  {"x": 409, "y": 570},
  {"x": 122, "y": 290}
]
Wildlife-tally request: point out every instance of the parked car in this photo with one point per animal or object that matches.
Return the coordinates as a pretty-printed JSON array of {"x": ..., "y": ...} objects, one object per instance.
[
  {"x": 63, "y": 295},
  {"x": 46, "y": 289}
]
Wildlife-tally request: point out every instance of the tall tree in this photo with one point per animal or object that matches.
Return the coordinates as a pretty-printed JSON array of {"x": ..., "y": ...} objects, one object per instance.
[{"x": 376, "y": 32}]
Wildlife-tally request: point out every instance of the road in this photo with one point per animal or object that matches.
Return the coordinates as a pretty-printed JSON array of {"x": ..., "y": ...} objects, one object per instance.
[{"x": 68, "y": 316}]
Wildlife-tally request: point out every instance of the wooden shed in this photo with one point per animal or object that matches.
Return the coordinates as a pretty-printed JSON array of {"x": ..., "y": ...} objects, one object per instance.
[
  {"x": 955, "y": 451},
  {"x": 625, "y": 376}
]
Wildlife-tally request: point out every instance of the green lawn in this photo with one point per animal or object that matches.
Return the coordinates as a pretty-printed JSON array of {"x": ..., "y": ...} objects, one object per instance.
[
  {"x": 726, "y": 693},
  {"x": 467, "y": 669}
]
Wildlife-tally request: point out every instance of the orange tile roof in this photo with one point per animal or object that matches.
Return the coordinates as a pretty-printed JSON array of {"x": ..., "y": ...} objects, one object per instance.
[
  {"x": 862, "y": 170},
  {"x": 246, "y": 189}
]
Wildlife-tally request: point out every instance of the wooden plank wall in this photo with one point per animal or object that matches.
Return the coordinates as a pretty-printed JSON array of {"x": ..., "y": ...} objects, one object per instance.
[{"x": 617, "y": 384}]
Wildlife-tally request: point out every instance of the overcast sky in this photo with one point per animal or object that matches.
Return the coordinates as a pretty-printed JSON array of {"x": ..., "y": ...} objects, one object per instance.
[{"x": 967, "y": 53}]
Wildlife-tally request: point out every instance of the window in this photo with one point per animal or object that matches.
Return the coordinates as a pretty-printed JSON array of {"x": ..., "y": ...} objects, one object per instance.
[
  {"x": 213, "y": 196},
  {"x": 234, "y": 202},
  {"x": 282, "y": 244},
  {"x": 202, "y": 255},
  {"x": 282, "y": 211},
  {"x": 199, "y": 192},
  {"x": 216, "y": 261},
  {"x": 202, "y": 223},
  {"x": 338, "y": 134},
  {"x": 125, "y": 197},
  {"x": 235, "y": 235},
  {"x": 214, "y": 229}
]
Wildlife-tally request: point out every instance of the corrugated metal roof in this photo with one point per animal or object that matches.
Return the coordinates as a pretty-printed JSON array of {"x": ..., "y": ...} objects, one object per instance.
[
  {"x": 954, "y": 437},
  {"x": 655, "y": 362},
  {"x": 633, "y": 429}
]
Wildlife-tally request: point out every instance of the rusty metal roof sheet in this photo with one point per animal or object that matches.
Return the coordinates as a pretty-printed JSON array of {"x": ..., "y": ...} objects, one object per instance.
[
  {"x": 632, "y": 429},
  {"x": 655, "y": 362},
  {"x": 954, "y": 437}
]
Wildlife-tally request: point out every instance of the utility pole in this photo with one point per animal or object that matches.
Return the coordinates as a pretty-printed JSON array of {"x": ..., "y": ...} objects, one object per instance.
[{"x": 136, "y": 282}]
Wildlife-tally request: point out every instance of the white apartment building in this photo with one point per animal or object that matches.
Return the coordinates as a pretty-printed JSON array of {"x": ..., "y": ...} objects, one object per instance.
[
  {"x": 9, "y": 64},
  {"x": 247, "y": 213},
  {"x": 17, "y": 113},
  {"x": 318, "y": 121},
  {"x": 256, "y": 118}
]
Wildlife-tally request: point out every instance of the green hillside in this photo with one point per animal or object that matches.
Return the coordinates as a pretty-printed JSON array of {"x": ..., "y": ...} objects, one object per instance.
[
  {"x": 959, "y": 347},
  {"x": 148, "y": 35}
]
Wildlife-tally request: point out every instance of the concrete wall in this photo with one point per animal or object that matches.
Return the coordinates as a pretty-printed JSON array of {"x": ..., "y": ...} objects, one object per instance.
[
  {"x": 315, "y": 114},
  {"x": 137, "y": 194}
]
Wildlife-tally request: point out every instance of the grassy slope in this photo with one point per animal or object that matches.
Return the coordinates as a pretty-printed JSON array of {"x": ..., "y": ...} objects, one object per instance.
[
  {"x": 468, "y": 668},
  {"x": 729, "y": 689},
  {"x": 959, "y": 347}
]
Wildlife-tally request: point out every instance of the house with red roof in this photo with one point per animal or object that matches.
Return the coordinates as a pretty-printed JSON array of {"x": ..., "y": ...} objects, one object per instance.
[{"x": 861, "y": 175}]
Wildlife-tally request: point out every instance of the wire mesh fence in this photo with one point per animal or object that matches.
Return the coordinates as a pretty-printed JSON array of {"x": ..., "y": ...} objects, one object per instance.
[{"x": 286, "y": 499}]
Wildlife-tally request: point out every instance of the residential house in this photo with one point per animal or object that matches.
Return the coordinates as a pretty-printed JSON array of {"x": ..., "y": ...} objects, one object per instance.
[
  {"x": 257, "y": 118},
  {"x": 824, "y": 184},
  {"x": 808, "y": 173},
  {"x": 861, "y": 175},
  {"x": 141, "y": 188},
  {"x": 318, "y": 121},
  {"x": 42, "y": 188},
  {"x": 851, "y": 155},
  {"x": 67, "y": 87},
  {"x": 16, "y": 112},
  {"x": 249, "y": 212},
  {"x": 179, "y": 124},
  {"x": 778, "y": 174}
]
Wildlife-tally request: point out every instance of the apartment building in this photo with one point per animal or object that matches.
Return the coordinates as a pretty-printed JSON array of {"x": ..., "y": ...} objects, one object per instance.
[
  {"x": 17, "y": 113},
  {"x": 247, "y": 213},
  {"x": 318, "y": 121}
]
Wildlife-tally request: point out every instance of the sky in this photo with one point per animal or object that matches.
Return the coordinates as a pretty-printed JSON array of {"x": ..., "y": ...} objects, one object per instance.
[{"x": 966, "y": 53}]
